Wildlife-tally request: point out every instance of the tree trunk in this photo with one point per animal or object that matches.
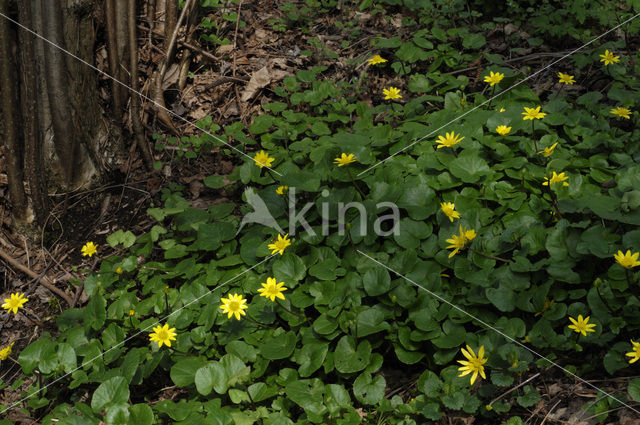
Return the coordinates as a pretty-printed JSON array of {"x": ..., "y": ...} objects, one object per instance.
[
  {"x": 55, "y": 133},
  {"x": 10, "y": 115},
  {"x": 29, "y": 108}
]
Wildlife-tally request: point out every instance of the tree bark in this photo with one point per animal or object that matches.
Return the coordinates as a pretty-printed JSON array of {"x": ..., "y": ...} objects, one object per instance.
[
  {"x": 56, "y": 136},
  {"x": 56, "y": 75},
  {"x": 113, "y": 55},
  {"x": 33, "y": 161},
  {"x": 136, "y": 121},
  {"x": 170, "y": 21},
  {"x": 9, "y": 98}
]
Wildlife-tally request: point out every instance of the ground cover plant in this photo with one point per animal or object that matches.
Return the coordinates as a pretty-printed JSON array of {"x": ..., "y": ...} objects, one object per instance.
[{"x": 492, "y": 239}]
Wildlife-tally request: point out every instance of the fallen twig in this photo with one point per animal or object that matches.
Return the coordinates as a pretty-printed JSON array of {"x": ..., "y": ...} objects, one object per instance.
[{"x": 44, "y": 280}]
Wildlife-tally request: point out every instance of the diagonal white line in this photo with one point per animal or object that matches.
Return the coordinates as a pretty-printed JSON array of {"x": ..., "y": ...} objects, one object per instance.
[
  {"x": 148, "y": 99},
  {"x": 135, "y": 335},
  {"x": 488, "y": 326},
  {"x": 499, "y": 94}
]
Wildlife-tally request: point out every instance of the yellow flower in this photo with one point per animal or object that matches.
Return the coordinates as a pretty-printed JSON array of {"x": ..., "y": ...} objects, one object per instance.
[
  {"x": 391, "y": 93},
  {"x": 473, "y": 363},
  {"x": 279, "y": 245},
  {"x": 89, "y": 249},
  {"x": 132, "y": 312},
  {"x": 546, "y": 152},
  {"x": 493, "y": 79},
  {"x": 503, "y": 130},
  {"x": 532, "y": 113},
  {"x": 581, "y": 325},
  {"x": 566, "y": 78},
  {"x": 459, "y": 241},
  {"x": 608, "y": 58},
  {"x": 6, "y": 351},
  {"x": 470, "y": 235},
  {"x": 118, "y": 270},
  {"x": 448, "y": 208},
  {"x": 635, "y": 354},
  {"x": 280, "y": 190},
  {"x": 271, "y": 289},
  {"x": 501, "y": 110},
  {"x": 344, "y": 159},
  {"x": 262, "y": 159},
  {"x": 556, "y": 178},
  {"x": 627, "y": 260},
  {"x": 449, "y": 141},
  {"x": 234, "y": 306},
  {"x": 621, "y": 112},
  {"x": 14, "y": 303},
  {"x": 376, "y": 60},
  {"x": 163, "y": 335}
]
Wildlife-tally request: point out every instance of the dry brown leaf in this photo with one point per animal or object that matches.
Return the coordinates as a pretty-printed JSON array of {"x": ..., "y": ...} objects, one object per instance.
[
  {"x": 279, "y": 62},
  {"x": 223, "y": 50},
  {"x": 261, "y": 78},
  {"x": 199, "y": 113},
  {"x": 260, "y": 34},
  {"x": 277, "y": 75}
]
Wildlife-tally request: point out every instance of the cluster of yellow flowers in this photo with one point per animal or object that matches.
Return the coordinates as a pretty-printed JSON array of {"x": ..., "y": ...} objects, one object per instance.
[
  {"x": 582, "y": 325},
  {"x": 475, "y": 363},
  {"x": 234, "y": 305},
  {"x": 494, "y": 78},
  {"x": 392, "y": 92},
  {"x": 262, "y": 159}
]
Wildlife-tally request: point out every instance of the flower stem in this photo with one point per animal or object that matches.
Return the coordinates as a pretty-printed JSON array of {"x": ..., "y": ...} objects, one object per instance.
[
  {"x": 246, "y": 316},
  {"x": 493, "y": 92},
  {"x": 558, "y": 93},
  {"x": 626, "y": 273},
  {"x": 554, "y": 201},
  {"x": 289, "y": 311},
  {"x": 179, "y": 352},
  {"x": 533, "y": 136},
  {"x": 493, "y": 257},
  {"x": 605, "y": 302},
  {"x": 354, "y": 184}
]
